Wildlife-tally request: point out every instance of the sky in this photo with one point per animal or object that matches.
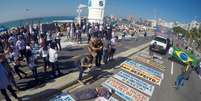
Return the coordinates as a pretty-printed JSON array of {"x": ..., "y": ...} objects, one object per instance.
[{"x": 170, "y": 10}]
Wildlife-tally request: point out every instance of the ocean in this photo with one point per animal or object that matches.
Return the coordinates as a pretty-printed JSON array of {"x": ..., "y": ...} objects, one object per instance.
[{"x": 35, "y": 21}]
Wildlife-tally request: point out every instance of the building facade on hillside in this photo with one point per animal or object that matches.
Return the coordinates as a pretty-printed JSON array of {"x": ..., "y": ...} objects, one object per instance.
[
  {"x": 189, "y": 26},
  {"x": 194, "y": 24}
]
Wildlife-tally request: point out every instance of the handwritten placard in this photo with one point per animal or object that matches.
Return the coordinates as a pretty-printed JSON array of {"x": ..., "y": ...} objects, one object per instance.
[
  {"x": 149, "y": 62},
  {"x": 63, "y": 97},
  {"x": 135, "y": 82},
  {"x": 144, "y": 68},
  {"x": 151, "y": 78},
  {"x": 125, "y": 92}
]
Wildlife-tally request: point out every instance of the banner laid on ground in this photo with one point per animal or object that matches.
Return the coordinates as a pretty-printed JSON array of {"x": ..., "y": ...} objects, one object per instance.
[
  {"x": 144, "y": 68},
  {"x": 63, "y": 97},
  {"x": 151, "y": 78},
  {"x": 135, "y": 82},
  {"x": 149, "y": 63},
  {"x": 125, "y": 92}
]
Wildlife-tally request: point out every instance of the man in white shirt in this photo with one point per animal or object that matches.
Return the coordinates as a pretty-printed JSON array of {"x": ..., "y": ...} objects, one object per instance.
[
  {"x": 44, "y": 54},
  {"x": 20, "y": 45},
  {"x": 48, "y": 38},
  {"x": 68, "y": 32},
  {"x": 53, "y": 59},
  {"x": 58, "y": 41}
]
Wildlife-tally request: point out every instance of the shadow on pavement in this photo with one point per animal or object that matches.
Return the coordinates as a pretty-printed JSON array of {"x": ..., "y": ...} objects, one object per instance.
[
  {"x": 30, "y": 83},
  {"x": 46, "y": 77},
  {"x": 73, "y": 49},
  {"x": 101, "y": 72},
  {"x": 64, "y": 57},
  {"x": 40, "y": 96}
]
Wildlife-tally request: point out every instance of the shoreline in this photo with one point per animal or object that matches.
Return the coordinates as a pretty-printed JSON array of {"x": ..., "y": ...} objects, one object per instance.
[{"x": 35, "y": 20}]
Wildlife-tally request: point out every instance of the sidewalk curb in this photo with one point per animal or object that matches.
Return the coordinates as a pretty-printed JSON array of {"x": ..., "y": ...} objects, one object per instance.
[{"x": 43, "y": 94}]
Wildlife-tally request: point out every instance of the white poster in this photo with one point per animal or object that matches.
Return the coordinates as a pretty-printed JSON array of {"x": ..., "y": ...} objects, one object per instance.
[
  {"x": 96, "y": 10},
  {"x": 96, "y": 3}
]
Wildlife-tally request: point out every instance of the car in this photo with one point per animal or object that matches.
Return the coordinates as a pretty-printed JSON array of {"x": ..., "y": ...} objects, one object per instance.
[{"x": 160, "y": 44}]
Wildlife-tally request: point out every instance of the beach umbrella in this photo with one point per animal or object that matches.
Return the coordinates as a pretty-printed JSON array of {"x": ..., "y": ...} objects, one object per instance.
[{"x": 3, "y": 29}]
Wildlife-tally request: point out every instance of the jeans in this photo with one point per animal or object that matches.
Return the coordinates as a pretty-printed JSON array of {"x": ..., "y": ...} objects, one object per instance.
[
  {"x": 4, "y": 93},
  {"x": 88, "y": 37},
  {"x": 45, "y": 60},
  {"x": 22, "y": 53},
  {"x": 58, "y": 42},
  {"x": 105, "y": 55},
  {"x": 35, "y": 73},
  {"x": 55, "y": 67},
  {"x": 81, "y": 69},
  {"x": 98, "y": 58},
  {"x": 179, "y": 81}
]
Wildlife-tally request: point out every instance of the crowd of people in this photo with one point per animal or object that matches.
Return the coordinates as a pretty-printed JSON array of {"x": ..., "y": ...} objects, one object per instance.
[
  {"x": 74, "y": 31},
  {"x": 20, "y": 46}
]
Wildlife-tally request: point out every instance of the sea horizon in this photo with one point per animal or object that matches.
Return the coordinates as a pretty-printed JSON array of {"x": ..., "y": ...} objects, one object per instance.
[{"x": 35, "y": 20}]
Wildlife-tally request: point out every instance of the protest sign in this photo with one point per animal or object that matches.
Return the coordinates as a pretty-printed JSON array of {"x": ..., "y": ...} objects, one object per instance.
[
  {"x": 144, "y": 68},
  {"x": 135, "y": 82},
  {"x": 149, "y": 62},
  {"x": 142, "y": 74},
  {"x": 125, "y": 92}
]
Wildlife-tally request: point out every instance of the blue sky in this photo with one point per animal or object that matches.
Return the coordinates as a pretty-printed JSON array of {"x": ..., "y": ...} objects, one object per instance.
[{"x": 171, "y": 10}]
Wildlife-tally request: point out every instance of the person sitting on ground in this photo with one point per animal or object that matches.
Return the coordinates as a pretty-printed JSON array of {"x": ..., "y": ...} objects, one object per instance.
[
  {"x": 91, "y": 93},
  {"x": 85, "y": 63}
]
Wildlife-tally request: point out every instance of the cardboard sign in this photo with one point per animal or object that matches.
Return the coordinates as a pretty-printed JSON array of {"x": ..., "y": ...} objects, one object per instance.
[
  {"x": 62, "y": 97},
  {"x": 142, "y": 74},
  {"x": 144, "y": 68},
  {"x": 135, "y": 82},
  {"x": 150, "y": 63},
  {"x": 125, "y": 92}
]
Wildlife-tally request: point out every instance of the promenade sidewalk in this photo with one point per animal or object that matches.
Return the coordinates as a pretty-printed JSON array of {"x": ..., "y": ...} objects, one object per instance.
[{"x": 65, "y": 81}]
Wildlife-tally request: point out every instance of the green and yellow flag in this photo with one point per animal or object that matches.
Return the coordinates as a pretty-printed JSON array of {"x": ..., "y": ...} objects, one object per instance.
[{"x": 184, "y": 56}]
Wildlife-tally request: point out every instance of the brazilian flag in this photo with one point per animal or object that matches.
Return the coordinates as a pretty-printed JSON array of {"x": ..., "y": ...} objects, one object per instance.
[{"x": 184, "y": 56}]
